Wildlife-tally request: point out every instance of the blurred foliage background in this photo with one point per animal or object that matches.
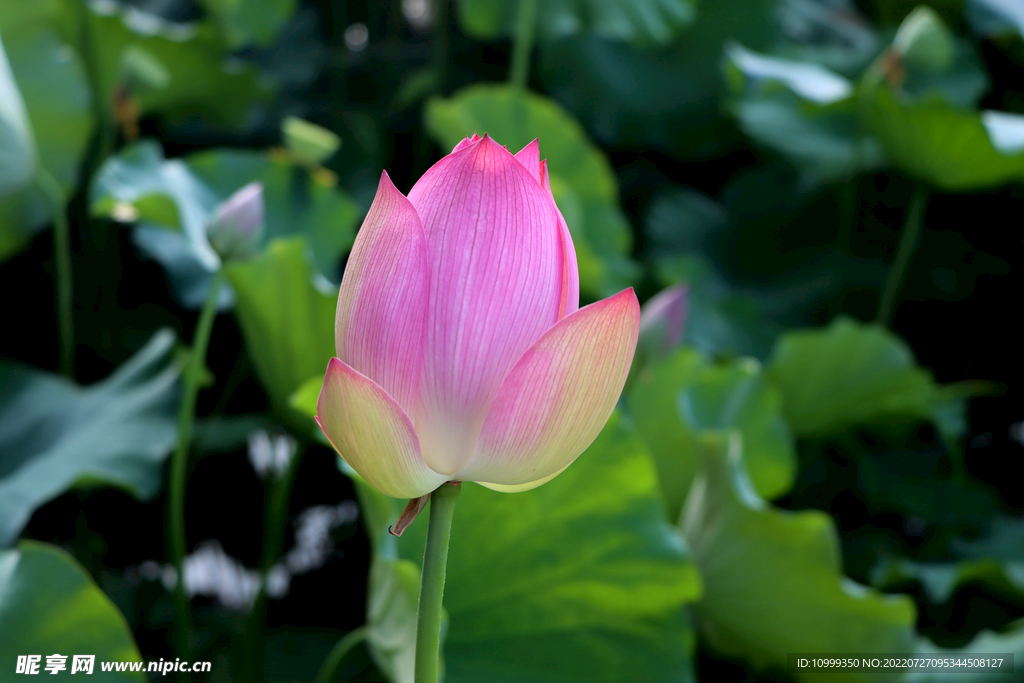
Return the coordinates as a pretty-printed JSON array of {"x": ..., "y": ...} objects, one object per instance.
[{"x": 822, "y": 462}]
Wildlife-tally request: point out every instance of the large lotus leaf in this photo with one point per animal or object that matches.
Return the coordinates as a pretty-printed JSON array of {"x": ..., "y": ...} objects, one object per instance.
[
  {"x": 55, "y": 119},
  {"x": 201, "y": 76},
  {"x": 55, "y": 435},
  {"x": 667, "y": 98},
  {"x": 287, "y": 316},
  {"x": 951, "y": 148},
  {"x": 250, "y": 21},
  {"x": 773, "y": 579},
  {"x": 637, "y": 21},
  {"x": 853, "y": 373},
  {"x": 732, "y": 395},
  {"x": 581, "y": 177},
  {"x": 172, "y": 201},
  {"x": 578, "y": 579},
  {"x": 49, "y": 605}
]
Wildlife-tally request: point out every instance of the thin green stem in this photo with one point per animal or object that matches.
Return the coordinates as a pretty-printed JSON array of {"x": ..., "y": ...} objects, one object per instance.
[
  {"x": 62, "y": 253},
  {"x": 526, "y": 26},
  {"x": 435, "y": 563},
  {"x": 908, "y": 243},
  {"x": 336, "y": 657},
  {"x": 273, "y": 541},
  {"x": 193, "y": 374}
]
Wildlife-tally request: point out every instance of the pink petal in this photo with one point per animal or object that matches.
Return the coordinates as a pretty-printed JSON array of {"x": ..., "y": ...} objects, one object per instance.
[
  {"x": 570, "y": 267},
  {"x": 529, "y": 158},
  {"x": 466, "y": 142},
  {"x": 373, "y": 434},
  {"x": 496, "y": 272},
  {"x": 559, "y": 396},
  {"x": 381, "y": 320}
]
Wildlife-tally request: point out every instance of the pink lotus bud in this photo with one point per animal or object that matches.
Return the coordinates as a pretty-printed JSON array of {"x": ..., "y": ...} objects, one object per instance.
[
  {"x": 461, "y": 353},
  {"x": 663, "y": 321},
  {"x": 236, "y": 228}
]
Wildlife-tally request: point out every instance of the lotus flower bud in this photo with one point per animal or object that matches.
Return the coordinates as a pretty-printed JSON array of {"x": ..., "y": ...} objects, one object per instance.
[
  {"x": 924, "y": 41},
  {"x": 462, "y": 353},
  {"x": 236, "y": 228},
  {"x": 662, "y": 323}
]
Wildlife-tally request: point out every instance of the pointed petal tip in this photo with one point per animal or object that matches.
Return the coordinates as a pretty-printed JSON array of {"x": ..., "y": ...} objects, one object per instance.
[
  {"x": 466, "y": 142},
  {"x": 529, "y": 158}
]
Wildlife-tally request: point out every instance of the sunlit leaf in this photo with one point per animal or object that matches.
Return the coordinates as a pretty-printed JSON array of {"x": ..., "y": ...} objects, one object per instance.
[
  {"x": 286, "y": 315},
  {"x": 584, "y": 184},
  {"x": 851, "y": 373},
  {"x": 773, "y": 579},
  {"x": 946, "y": 146},
  {"x": 579, "y": 579},
  {"x": 48, "y": 605},
  {"x": 55, "y": 435},
  {"x": 720, "y": 397},
  {"x": 637, "y": 21}
]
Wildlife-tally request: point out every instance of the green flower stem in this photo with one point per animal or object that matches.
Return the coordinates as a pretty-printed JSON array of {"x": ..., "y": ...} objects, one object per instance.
[
  {"x": 435, "y": 563},
  {"x": 526, "y": 26},
  {"x": 336, "y": 657},
  {"x": 273, "y": 540},
  {"x": 908, "y": 243},
  {"x": 193, "y": 374},
  {"x": 62, "y": 252}
]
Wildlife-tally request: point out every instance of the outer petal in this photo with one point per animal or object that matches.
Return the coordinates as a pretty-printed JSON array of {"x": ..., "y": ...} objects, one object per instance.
[
  {"x": 373, "y": 434},
  {"x": 570, "y": 267},
  {"x": 559, "y": 396},
  {"x": 380, "y": 324},
  {"x": 465, "y": 142},
  {"x": 529, "y": 158},
  {"x": 496, "y": 271}
]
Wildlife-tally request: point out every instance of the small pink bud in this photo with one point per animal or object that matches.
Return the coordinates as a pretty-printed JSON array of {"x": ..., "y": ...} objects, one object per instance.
[
  {"x": 236, "y": 228},
  {"x": 663, "y": 322}
]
